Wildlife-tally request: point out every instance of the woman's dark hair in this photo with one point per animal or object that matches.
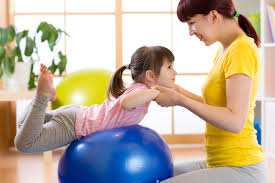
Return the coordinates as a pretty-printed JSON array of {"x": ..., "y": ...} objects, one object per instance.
[
  {"x": 189, "y": 8},
  {"x": 145, "y": 58}
]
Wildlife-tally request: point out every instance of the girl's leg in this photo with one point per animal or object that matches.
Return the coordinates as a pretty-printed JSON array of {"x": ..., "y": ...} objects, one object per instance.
[
  {"x": 25, "y": 112},
  {"x": 256, "y": 173},
  {"x": 35, "y": 136},
  {"x": 44, "y": 87}
]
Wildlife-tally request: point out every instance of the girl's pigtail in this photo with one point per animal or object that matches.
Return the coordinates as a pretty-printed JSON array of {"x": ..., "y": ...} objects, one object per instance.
[{"x": 116, "y": 85}]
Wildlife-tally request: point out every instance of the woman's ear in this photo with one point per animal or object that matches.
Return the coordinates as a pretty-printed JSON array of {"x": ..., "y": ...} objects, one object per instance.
[
  {"x": 150, "y": 76},
  {"x": 213, "y": 16}
]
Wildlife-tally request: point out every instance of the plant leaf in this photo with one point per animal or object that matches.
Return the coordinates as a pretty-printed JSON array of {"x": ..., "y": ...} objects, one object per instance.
[
  {"x": 11, "y": 33},
  {"x": 3, "y": 36},
  {"x": 1, "y": 60},
  {"x": 20, "y": 36},
  {"x": 29, "y": 46},
  {"x": 1, "y": 71},
  {"x": 63, "y": 62},
  {"x": 52, "y": 38},
  {"x": 33, "y": 78},
  {"x": 41, "y": 26},
  {"x": 53, "y": 67},
  {"x": 2, "y": 57},
  {"x": 12, "y": 65},
  {"x": 9, "y": 66},
  {"x": 60, "y": 31},
  {"x": 13, "y": 52},
  {"x": 45, "y": 33},
  {"x": 19, "y": 54},
  {"x": 2, "y": 53}
]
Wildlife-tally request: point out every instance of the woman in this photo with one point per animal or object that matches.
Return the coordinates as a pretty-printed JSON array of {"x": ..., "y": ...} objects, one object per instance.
[{"x": 228, "y": 96}]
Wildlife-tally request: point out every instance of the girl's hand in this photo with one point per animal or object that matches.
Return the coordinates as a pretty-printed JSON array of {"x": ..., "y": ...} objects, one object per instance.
[{"x": 167, "y": 97}]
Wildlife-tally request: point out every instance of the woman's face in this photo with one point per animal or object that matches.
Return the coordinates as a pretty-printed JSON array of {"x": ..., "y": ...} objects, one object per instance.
[{"x": 204, "y": 27}]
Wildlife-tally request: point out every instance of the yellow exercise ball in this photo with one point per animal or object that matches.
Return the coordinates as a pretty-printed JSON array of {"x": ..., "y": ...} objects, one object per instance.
[{"x": 84, "y": 87}]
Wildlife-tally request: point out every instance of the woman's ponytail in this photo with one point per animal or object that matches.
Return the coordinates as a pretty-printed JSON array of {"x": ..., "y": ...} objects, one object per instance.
[
  {"x": 248, "y": 29},
  {"x": 116, "y": 86}
]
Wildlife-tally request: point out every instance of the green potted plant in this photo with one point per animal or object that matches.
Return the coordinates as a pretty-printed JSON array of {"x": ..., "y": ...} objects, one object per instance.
[{"x": 19, "y": 53}]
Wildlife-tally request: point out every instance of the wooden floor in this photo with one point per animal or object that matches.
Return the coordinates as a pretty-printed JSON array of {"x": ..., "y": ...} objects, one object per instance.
[{"x": 16, "y": 167}]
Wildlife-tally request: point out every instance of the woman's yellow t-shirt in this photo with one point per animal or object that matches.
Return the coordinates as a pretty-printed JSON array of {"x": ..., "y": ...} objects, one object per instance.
[{"x": 225, "y": 148}]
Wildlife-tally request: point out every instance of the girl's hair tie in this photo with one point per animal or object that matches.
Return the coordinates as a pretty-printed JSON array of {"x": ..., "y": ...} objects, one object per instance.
[{"x": 127, "y": 66}]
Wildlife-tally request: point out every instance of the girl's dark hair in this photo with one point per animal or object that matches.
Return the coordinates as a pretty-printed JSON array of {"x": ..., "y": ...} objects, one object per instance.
[
  {"x": 145, "y": 58},
  {"x": 189, "y": 8}
]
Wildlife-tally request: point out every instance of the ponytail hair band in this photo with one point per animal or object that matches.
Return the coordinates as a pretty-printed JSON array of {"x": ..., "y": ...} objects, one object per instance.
[
  {"x": 127, "y": 66},
  {"x": 237, "y": 14}
]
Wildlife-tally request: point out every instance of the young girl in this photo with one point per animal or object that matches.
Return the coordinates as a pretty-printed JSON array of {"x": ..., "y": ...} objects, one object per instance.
[{"x": 43, "y": 131}]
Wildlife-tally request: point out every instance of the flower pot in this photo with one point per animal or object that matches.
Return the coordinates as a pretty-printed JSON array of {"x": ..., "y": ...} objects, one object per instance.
[{"x": 19, "y": 79}]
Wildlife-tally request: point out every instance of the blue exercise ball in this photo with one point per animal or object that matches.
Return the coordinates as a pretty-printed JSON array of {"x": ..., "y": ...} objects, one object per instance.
[{"x": 133, "y": 154}]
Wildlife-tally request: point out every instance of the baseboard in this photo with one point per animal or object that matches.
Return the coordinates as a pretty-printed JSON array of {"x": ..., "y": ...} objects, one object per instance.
[{"x": 184, "y": 138}]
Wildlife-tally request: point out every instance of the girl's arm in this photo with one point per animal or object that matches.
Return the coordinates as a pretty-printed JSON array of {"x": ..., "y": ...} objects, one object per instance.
[
  {"x": 137, "y": 98},
  {"x": 231, "y": 118},
  {"x": 189, "y": 94}
]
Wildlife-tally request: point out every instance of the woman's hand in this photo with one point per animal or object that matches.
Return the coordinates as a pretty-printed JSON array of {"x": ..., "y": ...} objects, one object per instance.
[
  {"x": 167, "y": 97},
  {"x": 177, "y": 88}
]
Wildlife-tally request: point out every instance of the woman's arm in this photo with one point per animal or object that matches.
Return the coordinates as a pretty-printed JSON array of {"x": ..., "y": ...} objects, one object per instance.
[
  {"x": 137, "y": 98},
  {"x": 231, "y": 118},
  {"x": 189, "y": 94}
]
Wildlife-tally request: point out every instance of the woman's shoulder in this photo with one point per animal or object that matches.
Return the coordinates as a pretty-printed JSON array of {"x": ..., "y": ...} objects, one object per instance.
[
  {"x": 243, "y": 43},
  {"x": 243, "y": 52}
]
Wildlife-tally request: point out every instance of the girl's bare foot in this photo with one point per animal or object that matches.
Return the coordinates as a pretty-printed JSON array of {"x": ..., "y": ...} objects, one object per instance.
[{"x": 45, "y": 83}]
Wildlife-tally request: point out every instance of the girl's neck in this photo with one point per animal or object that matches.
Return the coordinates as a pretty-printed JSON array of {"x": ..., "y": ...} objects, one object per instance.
[{"x": 148, "y": 84}]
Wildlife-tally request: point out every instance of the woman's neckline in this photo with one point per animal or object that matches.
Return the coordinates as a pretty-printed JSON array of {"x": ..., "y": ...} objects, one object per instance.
[{"x": 223, "y": 51}]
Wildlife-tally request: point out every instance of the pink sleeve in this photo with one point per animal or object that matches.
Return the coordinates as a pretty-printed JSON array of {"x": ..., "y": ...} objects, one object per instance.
[{"x": 138, "y": 87}]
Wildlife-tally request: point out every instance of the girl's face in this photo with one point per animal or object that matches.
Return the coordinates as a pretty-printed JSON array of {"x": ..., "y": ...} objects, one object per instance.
[
  {"x": 167, "y": 75},
  {"x": 204, "y": 27}
]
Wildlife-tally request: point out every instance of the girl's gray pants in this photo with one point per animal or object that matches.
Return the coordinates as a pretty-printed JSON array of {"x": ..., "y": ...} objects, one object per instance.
[{"x": 40, "y": 131}]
